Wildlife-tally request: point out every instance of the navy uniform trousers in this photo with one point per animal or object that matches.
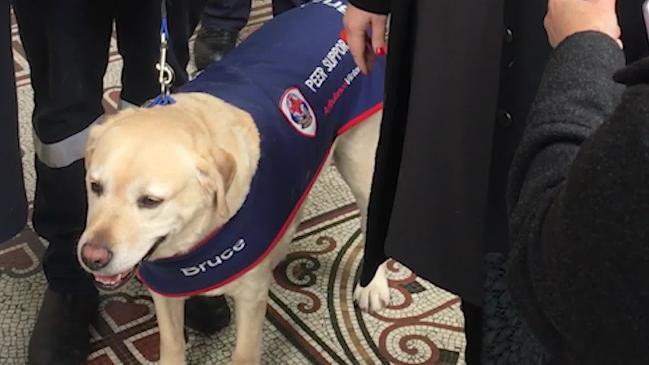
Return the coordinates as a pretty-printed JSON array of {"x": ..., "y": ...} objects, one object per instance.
[
  {"x": 233, "y": 15},
  {"x": 67, "y": 46},
  {"x": 13, "y": 204}
]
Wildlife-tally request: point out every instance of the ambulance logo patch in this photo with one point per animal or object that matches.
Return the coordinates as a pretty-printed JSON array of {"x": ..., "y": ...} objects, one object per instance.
[{"x": 298, "y": 112}]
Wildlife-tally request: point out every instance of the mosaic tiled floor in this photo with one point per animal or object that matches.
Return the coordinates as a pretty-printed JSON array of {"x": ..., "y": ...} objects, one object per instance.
[{"x": 311, "y": 318}]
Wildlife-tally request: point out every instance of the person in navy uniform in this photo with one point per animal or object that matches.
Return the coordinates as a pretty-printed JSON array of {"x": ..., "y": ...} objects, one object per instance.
[
  {"x": 13, "y": 201},
  {"x": 66, "y": 43},
  {"x": 220, "y": 26}
]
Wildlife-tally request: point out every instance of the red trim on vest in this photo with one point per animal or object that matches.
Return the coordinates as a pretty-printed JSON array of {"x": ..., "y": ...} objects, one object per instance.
[{"x": 361, "y": 118}]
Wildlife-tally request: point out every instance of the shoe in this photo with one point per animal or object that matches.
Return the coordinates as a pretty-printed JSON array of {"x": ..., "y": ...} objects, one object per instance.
[
  {"x": 212, "y": 44},
  {"x": 61, "y": 335},
  {"x": 207, "y": 315}
]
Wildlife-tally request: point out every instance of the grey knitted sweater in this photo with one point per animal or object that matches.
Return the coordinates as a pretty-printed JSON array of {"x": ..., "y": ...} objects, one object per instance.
[{"x": 579, "y": 207}]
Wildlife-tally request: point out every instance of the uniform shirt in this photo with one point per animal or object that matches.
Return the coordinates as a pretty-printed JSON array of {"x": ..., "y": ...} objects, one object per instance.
[{"x": 298, "y": 80}]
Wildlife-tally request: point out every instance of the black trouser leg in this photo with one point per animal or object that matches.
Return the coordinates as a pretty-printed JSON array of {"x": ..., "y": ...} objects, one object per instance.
[
  {"x": 229, "y": 15},
  {"x": 184, "y": 16},
  {"x": 138, "y": 33},
  {"x": 138, "y": 40},
  {"x": 13, "y": 203},
  {"x": 66, "y": 43},
  {"x": 473, "y": 333},
  {"x": 280, "y": 6}
]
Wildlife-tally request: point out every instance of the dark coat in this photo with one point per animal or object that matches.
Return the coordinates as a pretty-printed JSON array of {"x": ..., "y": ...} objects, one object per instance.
[
  {"x": 461, "y": 77},
  {"x": 13, "y": 205},
  {"x": 453, "y": 101},
  {"x": 579, "y": 197}
]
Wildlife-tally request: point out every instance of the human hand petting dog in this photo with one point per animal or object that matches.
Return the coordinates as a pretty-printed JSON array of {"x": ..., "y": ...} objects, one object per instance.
[
  {"x": 357, "y": 22},
  {"x": 567, "y": 17}
]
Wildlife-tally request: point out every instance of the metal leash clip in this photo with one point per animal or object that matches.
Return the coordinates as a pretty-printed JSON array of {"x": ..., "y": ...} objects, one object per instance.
[{"x": 165, "y": 71}]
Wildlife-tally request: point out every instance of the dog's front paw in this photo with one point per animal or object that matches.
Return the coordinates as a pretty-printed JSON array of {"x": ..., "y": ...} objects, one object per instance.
[{"x": 376, "y": 295}]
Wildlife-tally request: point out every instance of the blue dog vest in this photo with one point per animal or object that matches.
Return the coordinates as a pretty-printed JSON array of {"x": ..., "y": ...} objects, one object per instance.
[{"x": 297, "y": 79}]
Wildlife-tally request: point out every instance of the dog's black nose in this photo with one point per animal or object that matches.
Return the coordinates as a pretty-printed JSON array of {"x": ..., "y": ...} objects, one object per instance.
[{"x": 96, "y": 257}]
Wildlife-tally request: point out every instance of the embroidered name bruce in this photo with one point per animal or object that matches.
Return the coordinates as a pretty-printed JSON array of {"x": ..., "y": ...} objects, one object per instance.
[{"x": 206, "y": 265}]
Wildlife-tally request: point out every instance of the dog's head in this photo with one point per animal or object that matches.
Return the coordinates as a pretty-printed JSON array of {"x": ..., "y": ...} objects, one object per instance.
[{"x": 152, "y": 181}]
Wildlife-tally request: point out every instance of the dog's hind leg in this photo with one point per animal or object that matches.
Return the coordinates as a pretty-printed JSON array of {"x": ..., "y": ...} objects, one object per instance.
[
  {"x": 354, "y": 158},
  {"x": 250, "y": 303},
  {"x": 170, "y": 314}
]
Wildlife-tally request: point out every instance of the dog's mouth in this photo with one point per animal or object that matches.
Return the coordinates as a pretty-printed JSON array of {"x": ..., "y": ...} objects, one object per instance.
[{"x": 113, "y": 282}]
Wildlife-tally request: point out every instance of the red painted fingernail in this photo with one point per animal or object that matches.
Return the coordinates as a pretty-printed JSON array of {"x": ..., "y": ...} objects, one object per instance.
[
  {"x": 380, "y": 51},
  {"x": 343, "y": 35}
]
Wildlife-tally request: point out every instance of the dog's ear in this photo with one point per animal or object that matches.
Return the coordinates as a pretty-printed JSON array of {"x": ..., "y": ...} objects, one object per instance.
[
  {"x": 216, "y": 172},
  {"x": 97, "y": 130}
]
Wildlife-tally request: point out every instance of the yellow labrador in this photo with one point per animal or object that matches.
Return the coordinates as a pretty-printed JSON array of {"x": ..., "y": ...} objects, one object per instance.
[
  {"x": 160, "y": 180},
  {"x": 150, "y": 176}
]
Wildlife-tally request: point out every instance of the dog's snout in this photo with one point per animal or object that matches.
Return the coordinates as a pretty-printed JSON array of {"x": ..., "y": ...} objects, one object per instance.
[{"x": 96, "y": 256}]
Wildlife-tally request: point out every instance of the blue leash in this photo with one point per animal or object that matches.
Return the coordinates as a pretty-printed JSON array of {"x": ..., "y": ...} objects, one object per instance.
[{"x": 165, "y": 71}]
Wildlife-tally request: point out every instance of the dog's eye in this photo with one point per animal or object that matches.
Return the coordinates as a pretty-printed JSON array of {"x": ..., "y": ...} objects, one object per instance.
[
  {"x": 148, "y": 202},
  {"x": 96, "y": 188}
]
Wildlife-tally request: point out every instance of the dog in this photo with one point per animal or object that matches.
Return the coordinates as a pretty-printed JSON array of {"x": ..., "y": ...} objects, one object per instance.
[{"x": 172, "y": 189}]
